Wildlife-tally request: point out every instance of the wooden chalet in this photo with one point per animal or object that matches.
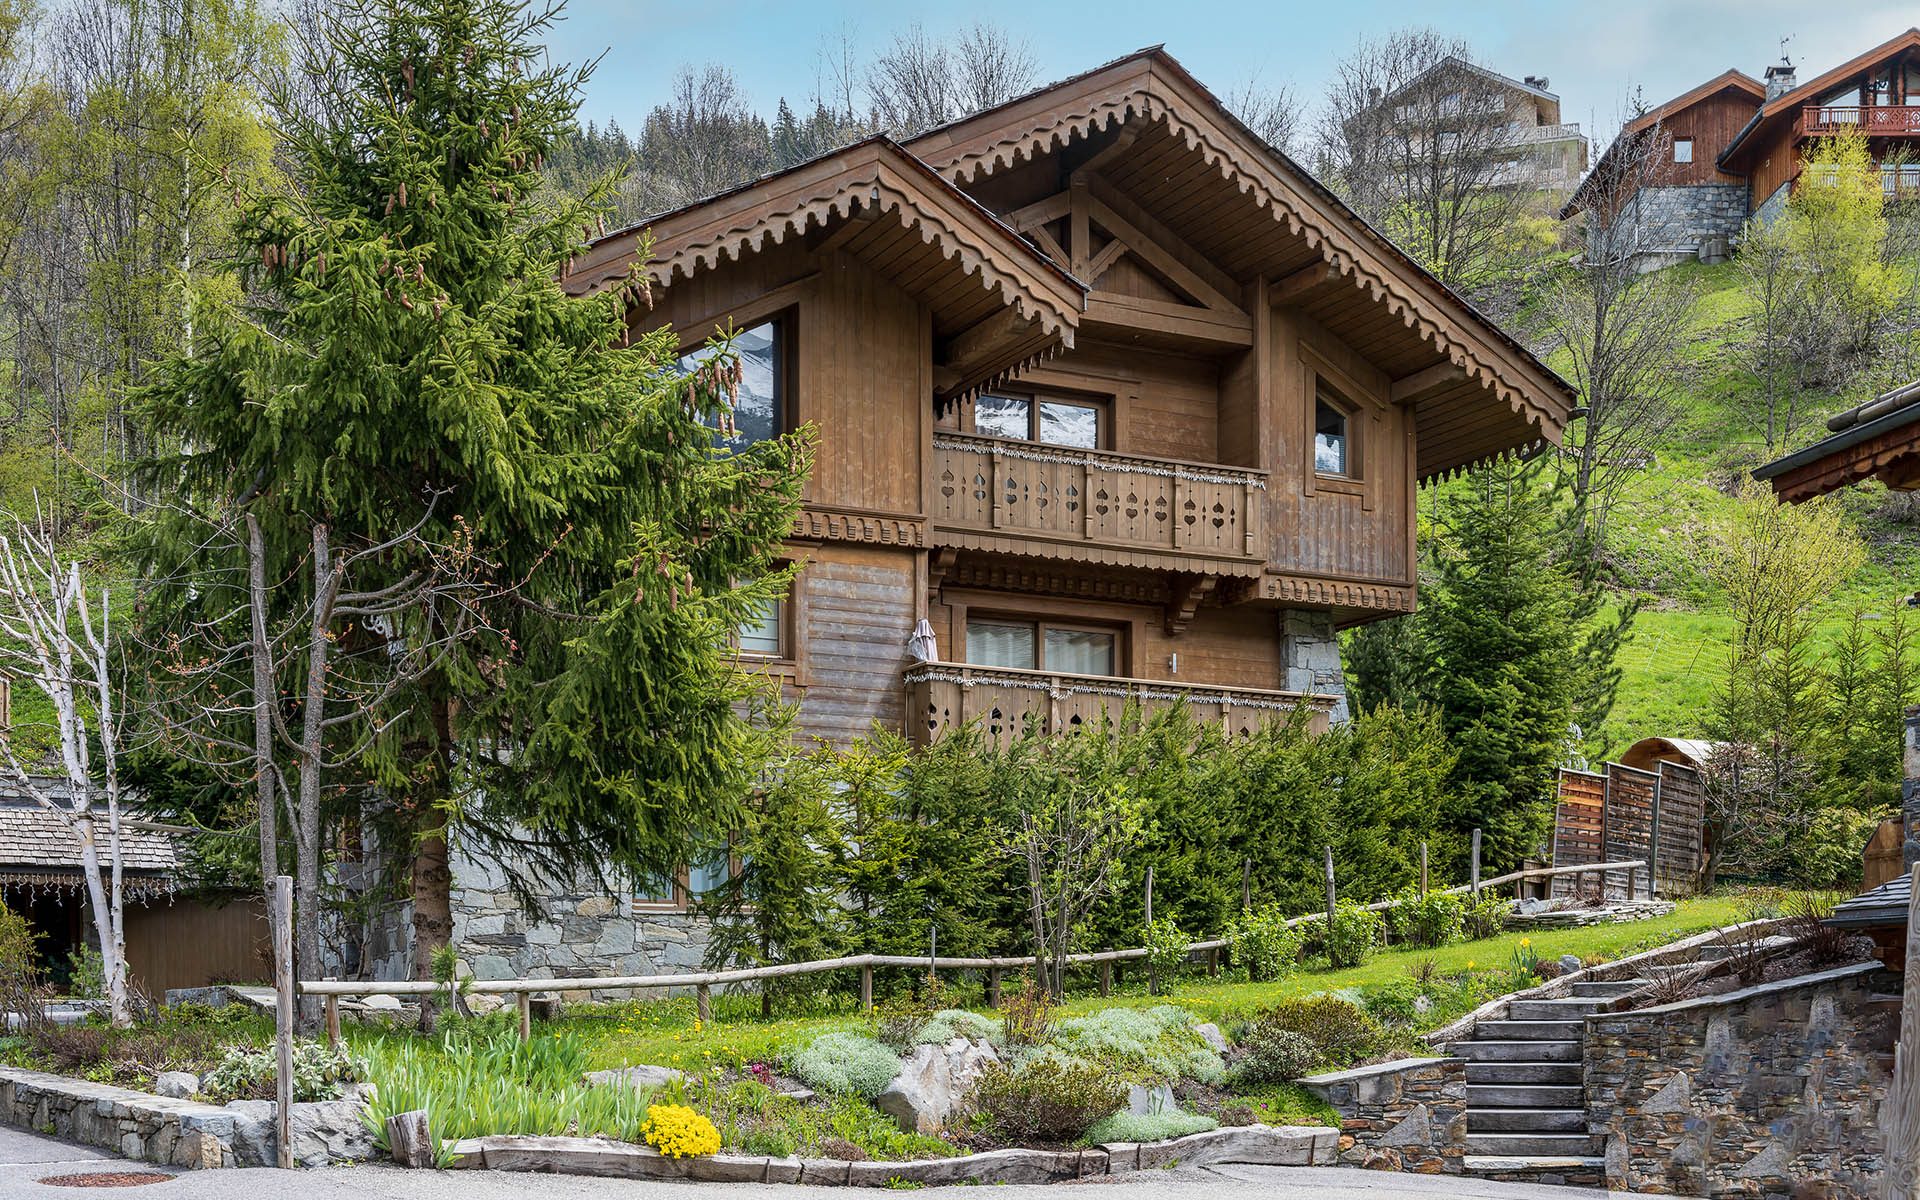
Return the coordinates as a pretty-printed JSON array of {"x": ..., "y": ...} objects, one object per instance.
[
  {"x": 1877, "y": 440},
  {"x": 1109, "y": 393}
]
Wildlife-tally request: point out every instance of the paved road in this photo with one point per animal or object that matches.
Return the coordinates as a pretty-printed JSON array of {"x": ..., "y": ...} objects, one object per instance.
[{"x": 27, "y": 1158}]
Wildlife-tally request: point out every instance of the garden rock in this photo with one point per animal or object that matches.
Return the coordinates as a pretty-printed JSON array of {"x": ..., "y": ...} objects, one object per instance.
[
  {"x": 324, "y": 1132},
  {"x": 1145, "y": 1101},
  {"x": 934, "y": 1083},
  {"x": 177, "y": 1085},
  {"x": 1210, "y": 1033},
  {"x": 1569, "y": 963},
  {"x": 643, "y": 1076}
]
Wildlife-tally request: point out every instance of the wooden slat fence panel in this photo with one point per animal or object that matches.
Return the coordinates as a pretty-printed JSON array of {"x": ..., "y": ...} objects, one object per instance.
[
  {"x": 1680, "y": 855},
  {"x": 1579, "y": 823},
  {"x": 1630, "y": 798},
  {"x": 1621, "y": 814}
]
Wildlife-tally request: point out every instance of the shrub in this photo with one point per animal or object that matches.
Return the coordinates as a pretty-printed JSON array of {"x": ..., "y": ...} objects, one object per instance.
[
  {"x": 1148, "y": 1127},
  {"x": 950, "y": 1023},
  {"x": 677, "y": 1131},
  {"x": 846, "y": 1064},
  {"x": 897, "y": 1020},
  {"x": 1047, "y": 1101},
  {"x": 1354, "y": 934},
  {"x": 1487, "y": 916},
  {"x": 1155, "y": 1043},
  {"x": 1263, "y": 943},
  {"x": 19, "y": 968},
  {"x": 1026, "y": 1015},
  {"x": 1270, "y": 1053},
  {"x": 1337, "y": 1028},
  {"x": 1807, "y": 922},
  {"x": 1167, "y": 948},
  {"x": 248, "y": 1073},
  {"x": 1394, "y": 1002},
  {"x": 1427, "y": 921}
]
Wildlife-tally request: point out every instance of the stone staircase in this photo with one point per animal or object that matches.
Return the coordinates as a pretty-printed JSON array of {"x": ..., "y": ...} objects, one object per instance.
[{"x": 1526, "y": 1106}]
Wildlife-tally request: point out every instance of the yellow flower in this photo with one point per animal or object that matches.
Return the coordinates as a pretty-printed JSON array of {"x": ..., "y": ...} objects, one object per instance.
[
  {"x": 679, "y": 1132},
  {"x": 1526, "y": 941},
  {"x": 1469, "y": 964}
]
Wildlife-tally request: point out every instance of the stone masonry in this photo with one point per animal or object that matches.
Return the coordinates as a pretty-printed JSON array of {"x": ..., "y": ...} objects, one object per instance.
[
  {"x": 1910, "y": 791},
  {"x": 1310, "y": 657},
  {"x": 1407, "y": 1115},
  {"x": 1675, "y": 219},
  {"x": 1769, "y": 1091}
]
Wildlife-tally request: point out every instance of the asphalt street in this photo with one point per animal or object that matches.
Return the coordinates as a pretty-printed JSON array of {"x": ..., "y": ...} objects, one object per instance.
[{"x": 26, "y": 1159}]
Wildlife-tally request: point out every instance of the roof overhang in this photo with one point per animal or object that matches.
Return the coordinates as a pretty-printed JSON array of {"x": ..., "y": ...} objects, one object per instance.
[
  {"x": 1504, "y": 398},
  {"x": 1886, "y": 448},
  {"x": 999, "y": 305},
  {"x": 1784, "y": 105}
]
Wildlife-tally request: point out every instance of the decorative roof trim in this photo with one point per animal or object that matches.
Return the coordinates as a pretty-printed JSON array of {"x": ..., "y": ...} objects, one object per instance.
[{"x": 1144, "y": 94}]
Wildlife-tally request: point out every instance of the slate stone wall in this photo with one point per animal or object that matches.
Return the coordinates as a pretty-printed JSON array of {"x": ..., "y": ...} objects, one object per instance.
[
  {"x": 1770, "y": 1091},
  {"x": 1674, "y": 219},
  {"x": 1409, "y": 1115},
  {"x": 1310, "y": 657}
]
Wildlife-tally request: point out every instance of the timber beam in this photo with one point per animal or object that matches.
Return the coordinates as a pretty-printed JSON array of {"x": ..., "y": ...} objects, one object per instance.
[
  {"x": 1409, "y": 388},
  {"x": 1189, "y": 592}
]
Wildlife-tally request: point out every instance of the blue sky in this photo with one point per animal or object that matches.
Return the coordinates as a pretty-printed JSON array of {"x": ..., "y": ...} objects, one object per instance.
[{"x": 1594, "y": 51}]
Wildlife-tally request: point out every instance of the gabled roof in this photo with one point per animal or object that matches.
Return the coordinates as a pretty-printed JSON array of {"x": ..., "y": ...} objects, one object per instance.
[
  {"x": 1728, "y": 80},
  {"x": 975, "y": 265},
  {"x": 38, "y": 847},
  {"x": 1810, "y": 91},
  {"x": 1456, "y": 63},
  {"x": 1273, "y": 217}
]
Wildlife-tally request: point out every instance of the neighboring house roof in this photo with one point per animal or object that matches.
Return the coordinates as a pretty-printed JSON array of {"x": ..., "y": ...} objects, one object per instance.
[
  {"x": 1648, "y": 751},
  {"x": 974, "y": 264},
  {"x": 1308, "y": 230},
  {"x": 1880, "y": 438},
  {"x": 1885, "y": 905},
  {"x": 1454, "y": 62},
  {"x": 1729, "y": 80},
  {"x": 37, "y": 846},
  {"x": 1810, "y": 92}
]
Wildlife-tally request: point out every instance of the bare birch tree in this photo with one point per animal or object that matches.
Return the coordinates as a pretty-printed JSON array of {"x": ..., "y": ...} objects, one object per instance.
[
  {"x": 57, "y": 638},
  {"x": 921, "y": 80},
  {"x": 1624, "y": 329},
  {"x": 1419, "y": 141}
]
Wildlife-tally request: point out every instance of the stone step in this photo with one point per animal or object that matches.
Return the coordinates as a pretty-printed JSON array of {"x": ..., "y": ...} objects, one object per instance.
[
  {"x": 1609, "y": 987},
  {"x": 1537, "y": 1095},
  {"x": 1537, "y": 1164},
  {"x": 1711, "y": 954},
  {"x": 1526, "y": 1120},
  {"x": 1523, "y": 1072},
  {"x": 1494, "y": 1051},
  {"x": 1557, "y": 1145},
  {"x": 1555, "y": 1010},
  {"x": 1530, "y": 1031}
]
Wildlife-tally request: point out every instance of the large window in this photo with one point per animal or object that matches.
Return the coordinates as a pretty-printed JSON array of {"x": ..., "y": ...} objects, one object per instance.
[
  {"x": 1332, "y": 443},
  {"x": 1042, "y": 646},
  {"x": 1052, "y": 419},
  {"x": 759, "y": 411}
]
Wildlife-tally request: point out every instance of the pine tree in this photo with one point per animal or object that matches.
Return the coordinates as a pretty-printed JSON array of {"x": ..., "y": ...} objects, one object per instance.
[{"x": 410, "y": 360}]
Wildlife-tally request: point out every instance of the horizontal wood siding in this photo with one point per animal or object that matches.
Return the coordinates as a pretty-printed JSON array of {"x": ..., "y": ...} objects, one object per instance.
[{"x": 858, "y": 608}]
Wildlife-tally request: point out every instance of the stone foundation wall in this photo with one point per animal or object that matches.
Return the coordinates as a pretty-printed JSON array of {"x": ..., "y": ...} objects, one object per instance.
[
  {"x": 1769, "y": 1091},
  {"x": 1409, "y": 1115},
  {"x": 1674, "y": 219},
  {"x": 1310, "y": 657}
]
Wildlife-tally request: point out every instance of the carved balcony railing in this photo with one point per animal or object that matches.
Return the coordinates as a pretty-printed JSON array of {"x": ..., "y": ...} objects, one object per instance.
[
  {"x": 942, "y": 696},
  {"x": 1882, "y": 120},
  {"x": 1031, "y": 491}
]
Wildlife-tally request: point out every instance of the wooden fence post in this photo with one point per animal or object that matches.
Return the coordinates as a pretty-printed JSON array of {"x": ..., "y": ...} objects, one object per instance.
[
  {"x": 525, "y": 1005},
  {"x": 1653, "y": 842},
  {"x": 1153, "y": 971},
  {"x": 1475, "y": 868},
  {"x": 1106, "y": 977},
  {"x": 333, "y": 1020},
  {"x": 283, "y": 1019},
  {"x": 993, "y": 987},
  {"x": 1246, "y": 885},
  {"x": 703, "y": 1003},
  {"x": 1423, "y": 869},
  {"x": 866, "y": 989},
  {"x": 1330, "y": 892}
]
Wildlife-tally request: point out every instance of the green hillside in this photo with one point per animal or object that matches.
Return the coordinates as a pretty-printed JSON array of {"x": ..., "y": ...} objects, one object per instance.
[{"x": 1667, "y": 517}]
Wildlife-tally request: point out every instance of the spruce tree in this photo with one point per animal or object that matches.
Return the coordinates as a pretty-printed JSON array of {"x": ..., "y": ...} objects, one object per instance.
[{"x": 408, "y": 361}]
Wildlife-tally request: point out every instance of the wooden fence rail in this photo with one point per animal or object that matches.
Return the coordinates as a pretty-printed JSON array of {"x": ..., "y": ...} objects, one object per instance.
[{"x": 331, "y": 990}]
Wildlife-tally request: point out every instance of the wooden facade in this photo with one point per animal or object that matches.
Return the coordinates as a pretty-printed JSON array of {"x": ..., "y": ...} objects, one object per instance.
[{"x": 1097, "y": 374}]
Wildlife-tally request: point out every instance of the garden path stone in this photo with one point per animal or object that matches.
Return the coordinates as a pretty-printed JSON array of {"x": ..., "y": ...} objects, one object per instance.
[{"x": 177, "y": 1085}]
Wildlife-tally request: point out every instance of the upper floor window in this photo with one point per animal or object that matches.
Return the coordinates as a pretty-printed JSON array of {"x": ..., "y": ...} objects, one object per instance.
[
  {"x": 765, "y": 633},
  {"x": 1683, "y": 150},
  {"x": 1051, "y": 419},
  {"x": 1331, "y": 441},
  {"x": 759, "y": 411},
  {"x": 1042, "y": 646}
]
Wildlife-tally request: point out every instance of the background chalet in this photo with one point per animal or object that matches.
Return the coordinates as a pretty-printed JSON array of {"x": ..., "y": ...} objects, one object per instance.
[{"x": 1109, "y": 392}]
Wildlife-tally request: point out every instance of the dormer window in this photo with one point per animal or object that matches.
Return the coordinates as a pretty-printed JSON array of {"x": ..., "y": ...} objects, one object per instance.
[{"x": 1331, "y": 441}]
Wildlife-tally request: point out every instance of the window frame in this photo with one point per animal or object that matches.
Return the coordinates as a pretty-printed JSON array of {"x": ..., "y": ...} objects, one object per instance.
[
  {"x": 1102, "y": 406},
  {"x": 786, "y": 342},
  {"x": 789, "y": 662},
  {"x": 1040, "y": 625},
  {"x": 1678, "y": 143},
  {"x": 680, "y": 884},
  {"x": 1326, "y": 391}
]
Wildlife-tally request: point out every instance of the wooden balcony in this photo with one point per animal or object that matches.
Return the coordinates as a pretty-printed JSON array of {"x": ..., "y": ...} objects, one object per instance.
[
  {"x": 1875, "y": 120},
  {"x": 942, "y": 696},
  {"x": 1096, "y": 505}
]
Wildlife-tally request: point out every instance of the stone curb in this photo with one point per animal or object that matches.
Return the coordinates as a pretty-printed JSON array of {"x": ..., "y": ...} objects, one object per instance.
[{"x": 1284, "y": 1145}]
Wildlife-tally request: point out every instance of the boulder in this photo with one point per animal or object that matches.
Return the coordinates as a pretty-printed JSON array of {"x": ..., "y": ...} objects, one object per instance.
[
  {"x": 1569, "y": 963},
  {"x": 1145, "y": 1101},
  {"x": 935, "y": 1083},
  {"x": 177, "y": 1085},
  {"x": 324, "y": 1132},
  {"x": 643, "y": 1076},
  {"x": 1210, "y": 1033}
]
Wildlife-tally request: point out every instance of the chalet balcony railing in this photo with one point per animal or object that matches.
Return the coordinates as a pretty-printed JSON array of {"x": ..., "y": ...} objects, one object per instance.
[
  {"x": 942, "y": 696},
  {"x": 1035, "y": 491},
  {"x": 1881, "y": 120}
]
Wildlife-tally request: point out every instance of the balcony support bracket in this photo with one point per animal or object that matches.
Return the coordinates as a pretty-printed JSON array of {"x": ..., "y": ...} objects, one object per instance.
[{"x": 1189, "y": 591}]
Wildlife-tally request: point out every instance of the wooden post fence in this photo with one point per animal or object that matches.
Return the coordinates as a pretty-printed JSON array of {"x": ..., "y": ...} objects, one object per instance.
[
  {"x": 1330, "y": 893},
  {"x": 283, "y": 1019},
  {"x": 1423, "y": 870},
  {"x": 1246, "y": 885},
  {"x": 1475, "y": 868}
]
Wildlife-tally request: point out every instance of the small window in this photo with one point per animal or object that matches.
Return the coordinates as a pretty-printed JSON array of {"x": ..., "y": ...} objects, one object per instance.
[
  {"x": 1330, "y": 439},
  {"x": 1683, "y": 150},
  {"x": 657, "y": 891},
  {"x": 766, "y": 633},
  {"x": 1038, "y": 645},
  {"x": 1053, "y": 420},
  {"x": 709, "y": 876},
  {"x": 759, "y": 410}
]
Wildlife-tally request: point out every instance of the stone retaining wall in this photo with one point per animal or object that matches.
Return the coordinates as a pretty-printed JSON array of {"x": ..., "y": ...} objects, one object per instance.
[
  {"x": 1769, "y": 1091},
  {"x": 1408, "y": 1115}
]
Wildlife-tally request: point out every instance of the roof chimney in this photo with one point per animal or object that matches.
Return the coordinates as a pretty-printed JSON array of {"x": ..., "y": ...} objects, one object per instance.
[
  {"x": 1780, "y": 79},
  {"x": 1536, "y": 81}
]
